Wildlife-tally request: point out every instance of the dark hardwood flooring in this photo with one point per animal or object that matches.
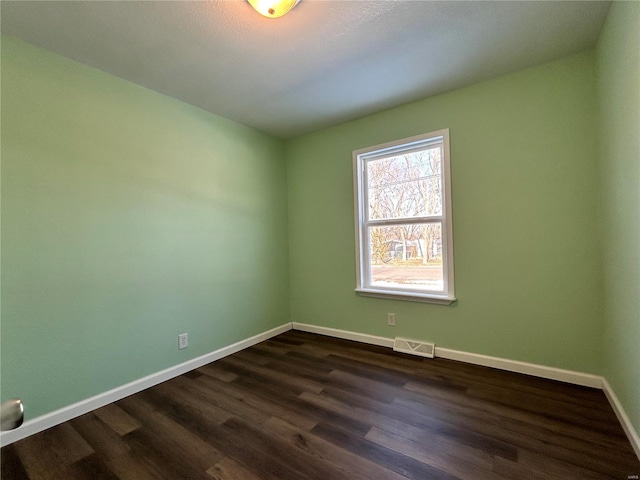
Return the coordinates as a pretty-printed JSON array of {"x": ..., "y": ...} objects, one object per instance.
[{"x": 303, "y": 406}]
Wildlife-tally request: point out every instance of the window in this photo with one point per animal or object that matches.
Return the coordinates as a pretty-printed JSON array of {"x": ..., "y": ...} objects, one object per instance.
[{"x": 403, "y": 219}]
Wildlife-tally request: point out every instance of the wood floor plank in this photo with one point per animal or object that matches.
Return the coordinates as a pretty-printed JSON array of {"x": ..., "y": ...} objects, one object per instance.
[
  {"x": 155, "y": 450},
  {"x": 276, "y": 376},
  {"x": 309, "y": 370},
  {"x": 302, "y": 406},
  {"x": 388, "y": 458},
  {"x": 228, "y": 469},
  {"x": 174, "y": 395},
  {"x": 534, "y": 437},
  {"x": 267, "y": 383},
  {"x": 457, "y": 372},
  {"x": 223, "y": 375},
  {"x": 486, "y": 407},
  {"x": 581, "y": 416},
  {"x": 353, "y": 464},
  {"x": 457, "y": 443},
  {"x": 287, "y": 340},
  {"x": 176, "y": 437},
  {"x": 483, "y": 416},
  {"x": 299, "y": 358},
  {"x": 250, "y": 405},
  {"x": 365, "y": 387},
  {"x": 90, "y": 467},
  {"x": 105, "y": 441},
  {"x": 374, "y": 372},
  {"x": 235, "y": 439},
  {"x": 479, "y": 469},
  {"x": 118, "y": 420},
  {"x": 289, "y": 399},
  {"x": 304, "y": 462},
  {"x": 63, "y": 444},
  {"x": 269, "y": 346},
  {"x": 427, "y": 428},
  {"x": 251, "y": 356},
  {"x": 543, "y": 467},
  {"x": 133, "y": 466},
  {"x": 37, "y": 465},
  {"x": 10, "y": 464}
]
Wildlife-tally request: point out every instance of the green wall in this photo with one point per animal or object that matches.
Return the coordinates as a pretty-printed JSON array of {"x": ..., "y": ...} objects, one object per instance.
[
  {"x": 618, "y": 56},
  {"x": 526, "y": 227},
  {"x": 127, "y": 218}
]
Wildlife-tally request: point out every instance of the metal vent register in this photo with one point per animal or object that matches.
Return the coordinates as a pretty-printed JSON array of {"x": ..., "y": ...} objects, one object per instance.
[{"x": 414, "y": 347}]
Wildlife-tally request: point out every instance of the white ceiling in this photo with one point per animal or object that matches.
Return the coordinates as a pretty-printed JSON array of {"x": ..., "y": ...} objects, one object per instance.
[{"x": 324, "y": 63}]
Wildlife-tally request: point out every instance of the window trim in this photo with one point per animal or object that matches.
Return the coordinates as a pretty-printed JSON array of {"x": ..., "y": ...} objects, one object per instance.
[{"x": 361, "y": 223}]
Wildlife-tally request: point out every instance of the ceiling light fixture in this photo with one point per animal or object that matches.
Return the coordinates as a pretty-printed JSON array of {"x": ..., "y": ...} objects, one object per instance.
[{"x": 273, "y": 8}]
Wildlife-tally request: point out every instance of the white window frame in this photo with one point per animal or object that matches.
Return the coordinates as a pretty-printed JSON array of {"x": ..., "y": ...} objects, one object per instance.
[{"x": 360, "y": 157}]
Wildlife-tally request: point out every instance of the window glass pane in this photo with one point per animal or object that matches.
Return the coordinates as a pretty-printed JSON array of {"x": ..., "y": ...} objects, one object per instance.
[
  {"x": 406, "y": 256},
  {"x": 408, "y": 185}
]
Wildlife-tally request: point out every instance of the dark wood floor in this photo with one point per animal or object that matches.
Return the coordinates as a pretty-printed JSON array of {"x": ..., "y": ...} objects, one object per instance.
[{"x": 302, "y": 406}]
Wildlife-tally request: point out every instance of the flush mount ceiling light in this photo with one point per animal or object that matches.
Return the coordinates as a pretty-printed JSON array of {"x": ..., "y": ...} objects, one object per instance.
[{"x": 273, "y": 8}]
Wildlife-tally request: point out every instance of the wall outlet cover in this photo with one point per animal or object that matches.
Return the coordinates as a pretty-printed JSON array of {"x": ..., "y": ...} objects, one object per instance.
[{"x": 391, "y": 319}]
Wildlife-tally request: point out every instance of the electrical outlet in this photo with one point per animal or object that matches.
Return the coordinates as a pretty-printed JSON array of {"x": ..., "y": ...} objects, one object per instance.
[
  {"x": 391, "y": 319},
  {"x": 183, "y": 341}
]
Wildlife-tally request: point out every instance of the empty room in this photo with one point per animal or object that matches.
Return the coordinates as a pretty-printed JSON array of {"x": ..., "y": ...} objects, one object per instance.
[{"x": 320, "y": 239}]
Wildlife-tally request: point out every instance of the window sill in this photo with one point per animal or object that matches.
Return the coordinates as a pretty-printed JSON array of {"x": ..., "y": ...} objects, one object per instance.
[{"x": 407, "y": 297}]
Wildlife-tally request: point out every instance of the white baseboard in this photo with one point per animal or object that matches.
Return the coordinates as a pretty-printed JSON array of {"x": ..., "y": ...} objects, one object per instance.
[
  {"x": 344, "y": 334},
  {"x": 550, "y": 373},
  {"x": 69, "y": 412},
  {"x": 633, "y": 436}
]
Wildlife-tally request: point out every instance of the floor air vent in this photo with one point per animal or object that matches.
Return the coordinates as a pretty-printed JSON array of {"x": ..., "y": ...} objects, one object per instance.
[{"x": 414, "y": 347}]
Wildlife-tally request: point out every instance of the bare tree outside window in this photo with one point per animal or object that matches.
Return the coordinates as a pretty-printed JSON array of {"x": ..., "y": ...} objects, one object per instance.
[
  {"x": 401, "y": 187},
  {"x": 401, "y": 216}
]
